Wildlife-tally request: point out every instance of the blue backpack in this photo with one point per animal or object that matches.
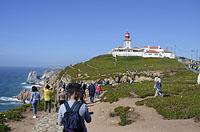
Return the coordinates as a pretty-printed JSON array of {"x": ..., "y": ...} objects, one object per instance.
[{"x": 72, "y": 121}]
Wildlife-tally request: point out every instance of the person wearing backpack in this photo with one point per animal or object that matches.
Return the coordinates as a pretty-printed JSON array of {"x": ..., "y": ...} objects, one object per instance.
[
  {"x": 73, "y": 113},
  {"x": 35, "y": 99}
]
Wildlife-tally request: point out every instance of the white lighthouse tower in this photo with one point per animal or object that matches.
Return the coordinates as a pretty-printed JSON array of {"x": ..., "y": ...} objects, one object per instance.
[{"x": 127, "y": 41}]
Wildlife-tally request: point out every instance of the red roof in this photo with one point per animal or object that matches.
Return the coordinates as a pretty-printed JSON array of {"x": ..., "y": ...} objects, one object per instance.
[
  {"x": 151, "y": 51},
  {"x": 152, "y": 47}
]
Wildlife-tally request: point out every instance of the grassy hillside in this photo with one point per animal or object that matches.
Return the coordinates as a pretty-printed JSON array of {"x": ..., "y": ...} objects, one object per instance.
[
  {"x": 182, "y": 94},
  {"x": 106, "y": 65}
]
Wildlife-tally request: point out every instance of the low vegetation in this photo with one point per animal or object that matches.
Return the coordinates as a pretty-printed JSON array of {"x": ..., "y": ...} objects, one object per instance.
[
  {"x": 113, "y": 93},
  {"x": 181, "y": 100},
  {"x": 181, "y": 93},
  {"x": 15, "y": 115},
  {"x": 106, "y": 65},
  {"x": 122, "y": 112},
  {"x": 11, "y": 115},
  {"x": 4, "y": 128}
]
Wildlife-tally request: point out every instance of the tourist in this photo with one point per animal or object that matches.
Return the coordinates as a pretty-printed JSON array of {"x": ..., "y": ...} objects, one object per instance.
[
  {"x": 47, "y": 98},
  {"x": 35, "y": 99},
  {"x": 198, "y": 80},
  {"x": 61, "y": 96},
  {"x": 155, "y": 80},
  {"x": 158, "y": 86},
  {"x": 73, "y": 113},
  {"x": 98, "y": 91},
  {"x": 82, "y": 94},
  {"x": 92, "y": 90}
]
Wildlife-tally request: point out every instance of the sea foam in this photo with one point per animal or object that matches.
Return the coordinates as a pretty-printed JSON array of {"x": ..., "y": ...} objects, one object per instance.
[{"x": 8, "y": 99}]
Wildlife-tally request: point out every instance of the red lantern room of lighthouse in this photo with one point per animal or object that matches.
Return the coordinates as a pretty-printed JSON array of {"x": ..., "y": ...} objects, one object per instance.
[{"x": 127, "y": 41}]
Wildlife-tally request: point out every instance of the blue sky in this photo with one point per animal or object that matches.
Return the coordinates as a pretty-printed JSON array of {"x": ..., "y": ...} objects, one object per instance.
[{"x": 62, "y": 32}]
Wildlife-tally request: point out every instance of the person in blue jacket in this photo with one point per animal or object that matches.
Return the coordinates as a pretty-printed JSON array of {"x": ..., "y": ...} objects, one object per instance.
[{"x": 35, "y": 99}]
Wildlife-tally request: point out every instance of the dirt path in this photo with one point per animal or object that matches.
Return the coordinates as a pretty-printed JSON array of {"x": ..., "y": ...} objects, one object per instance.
[
  {"x": 148, "y": 121},
  {"x": 26, "y": 124}
]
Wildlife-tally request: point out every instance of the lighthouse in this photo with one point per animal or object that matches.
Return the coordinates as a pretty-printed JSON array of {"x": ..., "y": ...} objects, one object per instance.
[{"x": 127, "y": 41}]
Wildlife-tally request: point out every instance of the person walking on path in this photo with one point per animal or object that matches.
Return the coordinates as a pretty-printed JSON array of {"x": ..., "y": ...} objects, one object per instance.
[
  {"x": 198, "y": 79},
  {"x": 92, "y": 90},
  {"x": 61, "y": 96},
  {"x": 98, "y": 91},
  {"x": 47, "y": 98},
  {"x": 35, "y": 99},
  {"x": 73, "y": 113},
  {"x": 158, "y": 86}
]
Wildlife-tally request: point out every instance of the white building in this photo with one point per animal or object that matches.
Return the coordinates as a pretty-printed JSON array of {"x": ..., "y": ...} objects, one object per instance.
[{"x": 147, "y": 51}]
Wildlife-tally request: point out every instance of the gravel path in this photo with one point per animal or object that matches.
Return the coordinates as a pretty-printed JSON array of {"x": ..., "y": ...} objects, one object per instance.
[{"x": 47, "y": 124}]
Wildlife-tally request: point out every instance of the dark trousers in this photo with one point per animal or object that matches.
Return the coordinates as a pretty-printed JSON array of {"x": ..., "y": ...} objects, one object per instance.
[
  {"x": 47, "y": 105},
  {"x": 92, "y": 98}
]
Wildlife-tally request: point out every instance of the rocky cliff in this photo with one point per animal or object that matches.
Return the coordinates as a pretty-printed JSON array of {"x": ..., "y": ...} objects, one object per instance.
[{"x": 32, "y": 78}]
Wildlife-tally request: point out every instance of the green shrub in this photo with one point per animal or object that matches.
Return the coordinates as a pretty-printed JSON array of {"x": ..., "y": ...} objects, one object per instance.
[
  {"x": 4, "y": 128},
  {"x": 123, "y": 119},
  {"x": 121, "y": 109},
  {"x": 40, "y": 106},
  {"x": 113, "y": 94},
  {"x": 14, "y": 115},
  {"x": 176, "y": 107},
  {"x": 144, "y": 89},
  {"x": 22, "y": 108},
  {"x": 2, "y": 118},
  {"x": 122, "y": 112}
]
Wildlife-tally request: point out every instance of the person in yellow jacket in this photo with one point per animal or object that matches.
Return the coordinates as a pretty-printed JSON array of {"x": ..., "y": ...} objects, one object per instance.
[{"x": 47, "y": 98}]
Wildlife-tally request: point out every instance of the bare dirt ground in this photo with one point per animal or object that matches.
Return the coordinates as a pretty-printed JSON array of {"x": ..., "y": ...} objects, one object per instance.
[
  {"x": 148, "y": 121},
  {"x": 26, "y": 124}
]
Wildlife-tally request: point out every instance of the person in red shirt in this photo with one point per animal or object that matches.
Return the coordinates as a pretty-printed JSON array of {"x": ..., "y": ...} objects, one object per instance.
[{"x": 98, "y": 91}]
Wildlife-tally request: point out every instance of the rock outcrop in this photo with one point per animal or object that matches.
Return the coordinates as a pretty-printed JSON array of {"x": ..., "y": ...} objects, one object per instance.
[
  {"x": 32, "y": 78},
  {"x": 49, "y": 73},
  {"x": 24, "y": 95},
  {"x": 66, "y": 78}
]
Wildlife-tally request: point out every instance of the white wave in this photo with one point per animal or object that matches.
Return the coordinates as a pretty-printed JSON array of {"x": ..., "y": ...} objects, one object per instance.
[
  {"x": 24, "y": 83},
  {"x": 9, "y": 99},
  {"x": 39, "y": 86},
  {"x": 30, "y": 86},
  {"x": 10, "y": 103},
  {"x": 27, "y": 86}
]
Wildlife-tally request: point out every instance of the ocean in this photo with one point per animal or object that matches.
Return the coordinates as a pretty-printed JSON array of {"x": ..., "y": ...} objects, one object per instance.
[{"x": 12, "y": 81}]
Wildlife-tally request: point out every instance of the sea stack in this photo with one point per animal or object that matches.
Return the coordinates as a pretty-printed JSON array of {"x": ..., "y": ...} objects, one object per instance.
[{"x": 32, "y": 78}]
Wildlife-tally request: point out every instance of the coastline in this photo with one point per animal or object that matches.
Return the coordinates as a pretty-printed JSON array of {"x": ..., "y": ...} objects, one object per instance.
[
  {"x": 15, "y": 117},
  {"x": 149, "y": 116},
  {"x": 12, "y": 82}
]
